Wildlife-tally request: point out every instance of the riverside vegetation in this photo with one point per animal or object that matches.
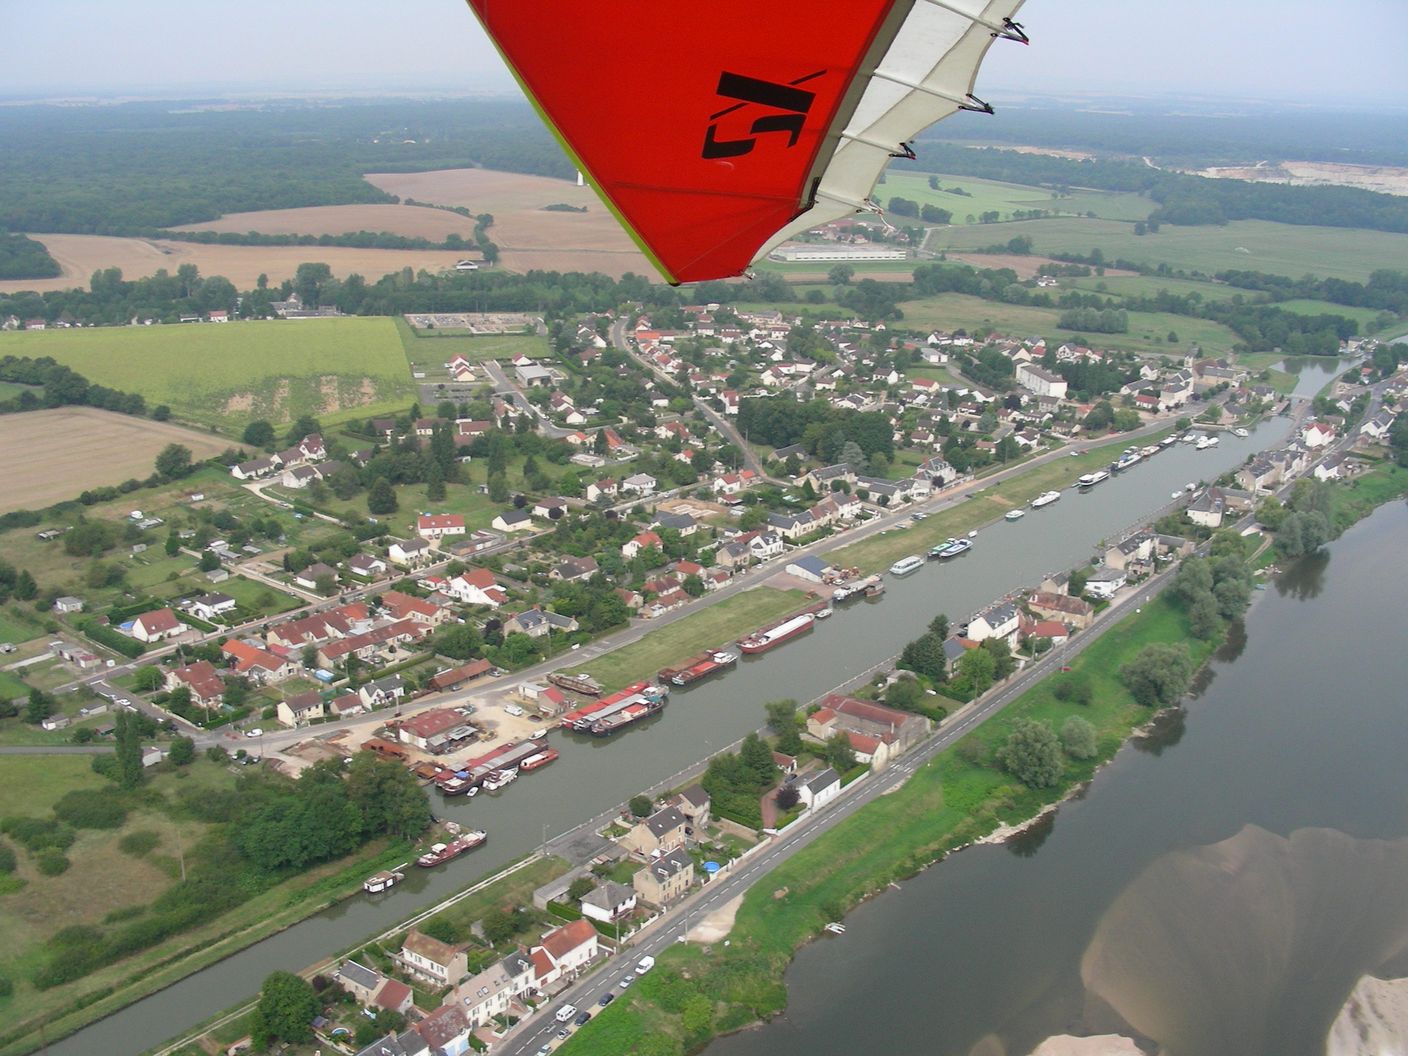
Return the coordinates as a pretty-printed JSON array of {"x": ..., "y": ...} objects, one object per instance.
[{"x": 963, "y": 794}]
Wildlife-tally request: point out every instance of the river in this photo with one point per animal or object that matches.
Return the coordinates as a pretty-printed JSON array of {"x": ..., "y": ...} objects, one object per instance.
[
  {"x": 594, "y": 776},
  {"x": 1219, "y": 888}
]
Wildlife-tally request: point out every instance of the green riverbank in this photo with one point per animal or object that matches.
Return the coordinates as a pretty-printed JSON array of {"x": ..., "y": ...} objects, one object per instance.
[{"x": 959, "y": 796}]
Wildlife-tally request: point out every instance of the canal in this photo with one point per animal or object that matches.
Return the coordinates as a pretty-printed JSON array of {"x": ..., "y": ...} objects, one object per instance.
[{"x": 594, "y": 776}]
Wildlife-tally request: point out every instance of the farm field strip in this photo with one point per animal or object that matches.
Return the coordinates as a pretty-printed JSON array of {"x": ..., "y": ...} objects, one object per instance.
[{"x": 57, "y": 454}]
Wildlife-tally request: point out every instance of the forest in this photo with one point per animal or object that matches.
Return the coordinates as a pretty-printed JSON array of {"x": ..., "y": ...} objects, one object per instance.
[
  {"x": 24, "y": 258},
  {"x": 133, "y": 168}
]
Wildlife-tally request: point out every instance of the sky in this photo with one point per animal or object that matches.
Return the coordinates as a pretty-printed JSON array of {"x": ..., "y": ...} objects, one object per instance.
[{"x": 1344, "y": 54}]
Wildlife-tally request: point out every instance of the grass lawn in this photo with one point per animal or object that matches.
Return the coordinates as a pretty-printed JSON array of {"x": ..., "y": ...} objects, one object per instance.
[
  {"x": 515, "y": 889},
  {"x": 226, "y": 375},
  {"x": 706, "y": 629},
  {"x": 980, "y": 508},
  {"x": 949, "y": 802},
  {"x": 18, "y": 625},
  {"x": 1243, "y": 245},
  {"x": 1150, "y": 286}
]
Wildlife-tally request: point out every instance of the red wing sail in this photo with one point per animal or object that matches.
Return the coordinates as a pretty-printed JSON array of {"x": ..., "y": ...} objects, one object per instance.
[{"x": 702, "y": 125}]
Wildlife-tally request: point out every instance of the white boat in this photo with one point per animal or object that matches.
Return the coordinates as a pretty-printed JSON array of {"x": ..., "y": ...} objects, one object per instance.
[
  {"x": 499, "y": 778},
  {"x": 384, "y": 881},
  {"x": 1046, "y": 498},
  {"x": 1089, "y": 480},
  {"x": 1188, "y": 438},
  {"x": 1166, "y": 441},
  {"x": 1150, "y": 450},
  {"x": 905, "y": 565},
  {"x": 1239, "y": 431},
  {"x": 1205, "y": 442},
  {"x": 1014, "y": 515},
  {"x": 1128, "y": 459},
  {"x": 951, "y": 548},
  {"x": 835, "y": 928},
  {"x": 821, "y": 614}
]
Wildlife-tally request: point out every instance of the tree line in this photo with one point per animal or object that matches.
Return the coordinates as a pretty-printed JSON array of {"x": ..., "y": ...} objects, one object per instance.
[
  {"x": 55, "y": 385},
  {"x": 24, "y": 258}
]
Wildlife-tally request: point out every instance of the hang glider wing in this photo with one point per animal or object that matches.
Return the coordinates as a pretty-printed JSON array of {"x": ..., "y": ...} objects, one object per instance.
[{"x": 716, "y": 131}]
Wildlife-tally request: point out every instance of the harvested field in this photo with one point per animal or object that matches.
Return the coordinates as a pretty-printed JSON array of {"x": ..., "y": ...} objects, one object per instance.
[
  {"x": 409, "y": 221},
  {"x": 81, "y": 255},
  {"x": 82, "y": 447},
  {"x": 528, "y": 235}
]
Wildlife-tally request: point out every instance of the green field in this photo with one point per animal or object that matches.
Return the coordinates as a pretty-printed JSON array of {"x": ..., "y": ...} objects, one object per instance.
[
  {"x": 992, "y": 195},
  {"x": 1152, "y": 285},
  {"x": 1243, "y": 245},
  {"x": 706, "y": 629},
  {"x": 1308, "y": 307},
  {"x": 226, "y": 375},
  {"x": 1148, "y": 331}
]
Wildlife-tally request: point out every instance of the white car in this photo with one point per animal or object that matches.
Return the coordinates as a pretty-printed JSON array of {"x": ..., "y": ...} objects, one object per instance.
[
  {"x": 256, "y": 732},
  {"x": 514, "y": 710},
  {"x": 644, "y": 965},
  {"x": 565, "y": 1013}
]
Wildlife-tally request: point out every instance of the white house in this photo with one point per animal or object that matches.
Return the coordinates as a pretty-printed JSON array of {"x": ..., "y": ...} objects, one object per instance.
[
  {"x": 1041, "y": 381},
  {"x": 439, "y": 525},
  {"x": 820, "y": 788},
  {"x": 1104, "y": 582},
  {"x": 609, "y": 902},
  {"x": 410, "y": 554},
  {"x": 209, "y": 606},
  {"x": 156, "y": 625},
  {"x": 639, "y": 484},
  {"x": 999, "y": 621}
]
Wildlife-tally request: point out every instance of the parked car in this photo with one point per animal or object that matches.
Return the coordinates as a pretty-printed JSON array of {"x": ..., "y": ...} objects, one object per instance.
[
  {"x": 582, "y": 1018},
  {"x": 606, "y": 999},
  {"x": 627, "y": 981}
]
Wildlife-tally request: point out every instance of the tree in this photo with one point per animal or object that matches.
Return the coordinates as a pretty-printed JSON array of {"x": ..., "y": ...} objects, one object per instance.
[
  {"x": 258, "y": 433},
  {"x": 1159, "y": 675},
  {"x": 841, "y": 275},
  {"x": 757, "y": 756},
  {"x": 693, "y": 586},
  {"x": 208, "y": 561},
  {"x": 904, "y": 694},
  {"x": 286, "y": 1010},
  {"x": 782, "y": 717},
  {"x": 382, "y": 497},
  {"x": 173, "y": 545},
  {"x": 938, "y": 626},
  {"x": 173, "y": 462},
  {"x": 1078, "y": 738},
  {"x": 641, "y": 806},
  {"x": 787, "y": 797},
  {"x": 40, "y": 706},
  {"x": 435, "y": 482},
  {"x": 386, "y": 797},
  {"x": 498, "y": 487},
  {"x": 459, "y": 641},
  {"x": 1203, "y": 619},
  {"x": 147, "y": 678},
  {"x": 839, "y": 754},
  {"x": 128, "y": 735},
  {"x": 183, "y": 751},
  {"x": 25, "y": 589},
  {"x": 583, "y": 885},
  {"x": 1032, "y": 754},
  {"x": 500, "y": 924},
  {"x": 977, "y": 668}
]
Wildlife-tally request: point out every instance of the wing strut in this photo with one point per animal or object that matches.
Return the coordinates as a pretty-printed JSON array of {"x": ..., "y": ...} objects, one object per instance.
[
  {"x": 969, "y": 102},
  {"x": 1005, "y": 30}
]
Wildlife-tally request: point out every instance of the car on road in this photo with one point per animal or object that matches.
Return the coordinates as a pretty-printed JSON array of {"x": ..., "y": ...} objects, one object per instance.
[
  {"x": 606, "y": 999},
  {"x": 583, "y": 1017},
  {"x": 256, "y": 732},
  {"x": 644, "y": 965},
  {"x": 545, "y": 1050},
  {"x": 566, "y": 1012}
]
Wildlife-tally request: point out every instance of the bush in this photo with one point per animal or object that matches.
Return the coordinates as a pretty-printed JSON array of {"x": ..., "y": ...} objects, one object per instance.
[
  {"x": 7, "y": 858},
  {"x": 1078, "y": 738},
  {"x": 90, "y": 810},
  {"x": 1072, "y": 688},
  {"x": 36, "y": 834},
  {"x": 51, "y": 862},
  {"x": 139, "y": 843},
  {"x": 1032, "y": 754},
  {"x": 6, "y": 987}
]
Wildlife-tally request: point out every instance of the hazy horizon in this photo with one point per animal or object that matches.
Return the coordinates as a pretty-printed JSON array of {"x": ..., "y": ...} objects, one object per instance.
[{"x": 1282, "y": 51}]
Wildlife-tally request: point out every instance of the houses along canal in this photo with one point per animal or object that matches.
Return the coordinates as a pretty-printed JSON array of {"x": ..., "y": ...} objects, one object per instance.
[
  {"x": 598, "y": 775},
  {"x": 1220, "y": 888}
]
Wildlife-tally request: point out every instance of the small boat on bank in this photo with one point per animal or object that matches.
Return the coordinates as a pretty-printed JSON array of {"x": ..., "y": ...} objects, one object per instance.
[
  {"x": 440, "y": 853},
  {"x": 1046, "y": 498},
  {"x": 1168, "y": 441},
  {"x": 1205, "y": 442},
  {"x": 383, "y": 881},
  {"x": 907, "y": 565},
  {"x": 822, "y": 613},
  {"x": 1089, "y": 480},
  {"x": 1240, "y": 432},
  {"x": 770, "y": 637},
  {"x": 951, "y": 548},
  {"x": 1014, "y": 515}
]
